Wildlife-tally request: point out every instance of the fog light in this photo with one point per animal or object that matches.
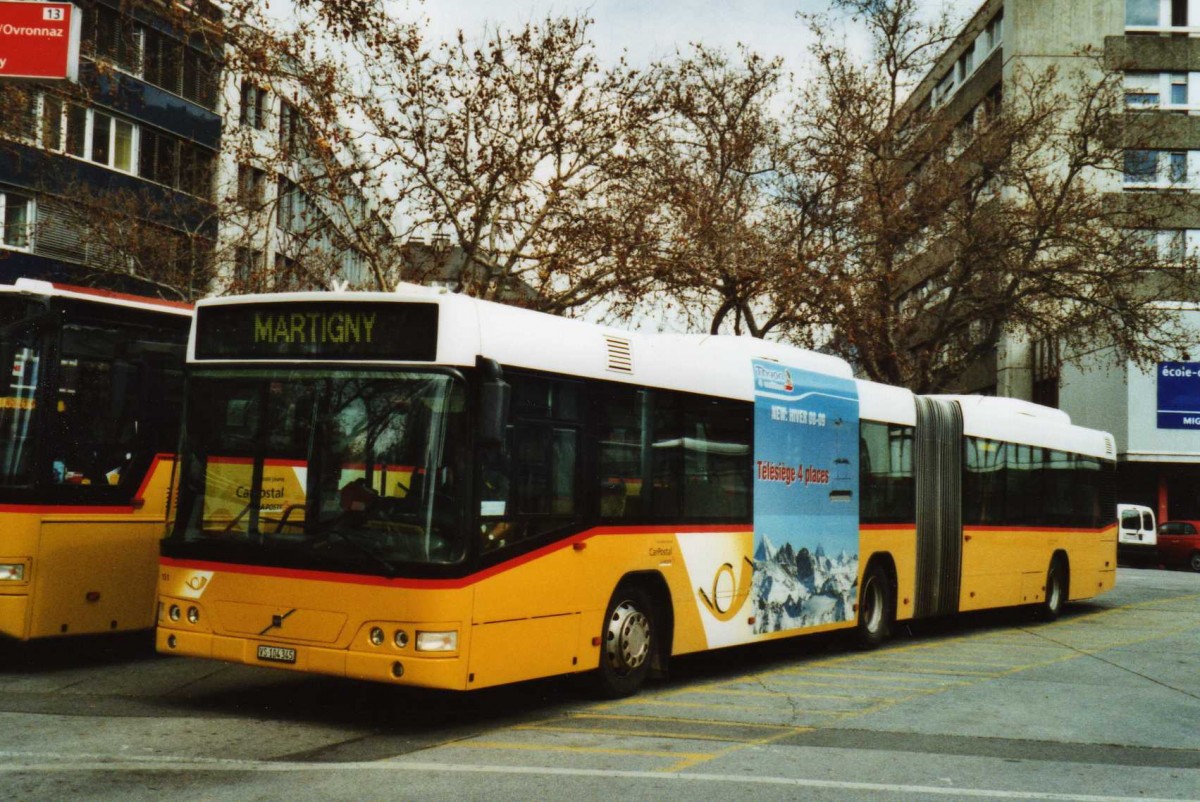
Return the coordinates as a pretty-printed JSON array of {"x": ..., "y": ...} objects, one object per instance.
[
  {"x": 174, "y": 612},
  {"x": 171, "y": 641},
  {"x": 437, "y": 641},
  {"x": 376, "y": 636},
  {"x": 193, "y": 615},
  {"x": 401, "y": 638},
  {"x": 12, "y": 572},
  {"x": 397, "y": 669}
]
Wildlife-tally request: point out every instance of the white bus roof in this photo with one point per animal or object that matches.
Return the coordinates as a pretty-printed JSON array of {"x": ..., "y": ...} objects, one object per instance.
[
  {"x": 468, "y": 328},
  {"x": 717, "y": 365},
  {"x": 27, "y": 286}
]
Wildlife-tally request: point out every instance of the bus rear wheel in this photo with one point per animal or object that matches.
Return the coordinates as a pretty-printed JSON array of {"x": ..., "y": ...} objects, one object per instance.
[
  {"x": 1056, "y": 591},
  {"x": 628, "y": 641},
  {"x": 874, "y": 609}
]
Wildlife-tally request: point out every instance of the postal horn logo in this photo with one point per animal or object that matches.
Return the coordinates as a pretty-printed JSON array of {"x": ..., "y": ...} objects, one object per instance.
[{"x": 729, "y": 592}]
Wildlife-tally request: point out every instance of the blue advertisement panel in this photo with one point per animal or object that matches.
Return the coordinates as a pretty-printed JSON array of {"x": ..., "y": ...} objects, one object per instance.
[
  {"x": 1179, "y": 395},
  {"x": 805, "y": 498}
]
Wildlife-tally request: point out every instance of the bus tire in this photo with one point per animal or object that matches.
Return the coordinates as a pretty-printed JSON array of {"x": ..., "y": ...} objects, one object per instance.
[
  {"x": 628, "y": 641},
  {"x": 1057, "y": 578},
  {"x": 1194, "y": 561},
  {"x": 875, "y": 612}
]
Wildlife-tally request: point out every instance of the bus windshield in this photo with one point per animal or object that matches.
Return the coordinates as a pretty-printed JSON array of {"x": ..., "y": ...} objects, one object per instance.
[
  {"x": 324, "y": 469},
  {"x": 20, "y": 356}
]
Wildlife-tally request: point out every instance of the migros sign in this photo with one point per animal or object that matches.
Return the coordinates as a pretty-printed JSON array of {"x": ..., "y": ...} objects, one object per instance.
[{"x": 39, "y": 40}]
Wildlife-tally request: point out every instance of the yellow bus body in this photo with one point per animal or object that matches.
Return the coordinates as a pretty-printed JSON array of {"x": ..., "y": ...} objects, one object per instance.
[
  {"x": 87, "y": 569},
  {"x": 542, "y": 614}
]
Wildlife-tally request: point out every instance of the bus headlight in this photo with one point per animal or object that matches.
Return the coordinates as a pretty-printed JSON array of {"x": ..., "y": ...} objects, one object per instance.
[
  {"x": 12, "y": 572},
  {"x": 174, "y": 612},
  {"x": 400, "y": 639},
  {"x": 376, "y": 636},
  {"x": 437, "y": 641},
  {"x": 193, "y": 615}
]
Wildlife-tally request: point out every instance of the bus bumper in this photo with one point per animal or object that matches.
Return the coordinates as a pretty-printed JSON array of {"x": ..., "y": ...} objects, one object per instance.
[{"x": 447, "y": 672}]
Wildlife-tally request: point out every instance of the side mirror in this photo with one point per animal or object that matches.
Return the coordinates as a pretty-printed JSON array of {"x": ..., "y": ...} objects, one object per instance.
[{"x": 494, "y": 397}]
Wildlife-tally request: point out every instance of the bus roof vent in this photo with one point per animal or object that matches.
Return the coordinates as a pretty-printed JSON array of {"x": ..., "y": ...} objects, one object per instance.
[
  {"x": 620, "y": 354},
  {"x": 1109, "y": 449}
]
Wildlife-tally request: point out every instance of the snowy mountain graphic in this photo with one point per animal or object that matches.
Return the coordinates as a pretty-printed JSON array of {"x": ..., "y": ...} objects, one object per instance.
[{"x": 794, "y": 589}]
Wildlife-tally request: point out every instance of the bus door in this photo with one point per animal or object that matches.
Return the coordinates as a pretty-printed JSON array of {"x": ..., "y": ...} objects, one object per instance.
[{"x": 527, "y": 612}]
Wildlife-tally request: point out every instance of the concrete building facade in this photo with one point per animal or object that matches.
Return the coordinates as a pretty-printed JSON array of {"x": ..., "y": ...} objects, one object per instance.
[{"x": 1156, "y": 44}]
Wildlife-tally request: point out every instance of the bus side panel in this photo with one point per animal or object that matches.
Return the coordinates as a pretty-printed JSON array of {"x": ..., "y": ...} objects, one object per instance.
[
  {"x": 994, "y": 562},
  {"x": 899, "y": 543},
  {"x": 1004, "y": 567},
  {"x": 19, "y": 545},
  {"x": 95, "y": 575},
  {"x": 511, "y": 651},
  {"x": 1093, "y": 563}
]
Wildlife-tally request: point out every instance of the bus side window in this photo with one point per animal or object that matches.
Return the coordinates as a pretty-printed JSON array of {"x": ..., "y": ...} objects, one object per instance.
[
  {"x": 93, "y": 408},
  {"x": 533, "y": 488},
  {"x": 622, "y": 454}
]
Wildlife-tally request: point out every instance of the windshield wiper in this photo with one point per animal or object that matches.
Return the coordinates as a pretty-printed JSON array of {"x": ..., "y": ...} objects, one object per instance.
[{"x": 362, "y": 546}]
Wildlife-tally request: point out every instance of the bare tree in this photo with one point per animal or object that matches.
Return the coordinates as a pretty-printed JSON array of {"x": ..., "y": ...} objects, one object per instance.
[
  {"x": 706, "y": 191},
  {"x": 952, "y": 232},
  {"x": 503, "y": 149}
]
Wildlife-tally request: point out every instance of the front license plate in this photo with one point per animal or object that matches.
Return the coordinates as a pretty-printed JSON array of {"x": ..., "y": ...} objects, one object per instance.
[{"x": 276, "y": 654}]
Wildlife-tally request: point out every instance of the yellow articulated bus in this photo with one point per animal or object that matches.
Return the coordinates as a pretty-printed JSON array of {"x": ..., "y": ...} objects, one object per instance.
[
  {"x": 425, "y": 489},
  {"x": 89, "y": 417}
]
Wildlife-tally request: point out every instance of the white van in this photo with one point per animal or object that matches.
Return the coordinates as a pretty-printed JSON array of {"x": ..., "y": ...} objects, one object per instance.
[{"x": 1137, "y": 535}]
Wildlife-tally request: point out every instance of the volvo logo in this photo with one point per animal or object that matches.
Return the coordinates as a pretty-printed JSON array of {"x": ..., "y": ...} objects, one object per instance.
[{"x": 277, "y": 621}]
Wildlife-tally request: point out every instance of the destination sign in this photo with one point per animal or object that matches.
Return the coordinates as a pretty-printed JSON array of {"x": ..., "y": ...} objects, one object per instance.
[{"x": 318, "y": 330}]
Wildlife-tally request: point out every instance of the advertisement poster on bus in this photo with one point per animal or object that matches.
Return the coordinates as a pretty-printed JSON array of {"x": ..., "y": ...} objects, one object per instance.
[{"x": 805, "y": 499}]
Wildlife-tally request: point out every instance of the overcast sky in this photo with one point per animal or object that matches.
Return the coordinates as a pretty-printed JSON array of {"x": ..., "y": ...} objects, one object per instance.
[{"x": 648, "y": 29}]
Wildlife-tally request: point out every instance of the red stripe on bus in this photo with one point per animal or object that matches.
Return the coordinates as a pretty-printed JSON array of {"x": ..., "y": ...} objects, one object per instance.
[
  {"x": 1047, "y": 530},
  {"x": 122, "y": 296},
  {"x": 445, "y": 584}
]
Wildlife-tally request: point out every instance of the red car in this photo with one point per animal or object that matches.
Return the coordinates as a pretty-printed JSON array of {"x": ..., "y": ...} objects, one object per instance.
[{"x": 1179, "y": 543}]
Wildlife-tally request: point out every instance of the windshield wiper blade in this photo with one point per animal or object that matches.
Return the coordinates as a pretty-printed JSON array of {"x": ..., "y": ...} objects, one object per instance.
[{"x": 363, "y": 547}]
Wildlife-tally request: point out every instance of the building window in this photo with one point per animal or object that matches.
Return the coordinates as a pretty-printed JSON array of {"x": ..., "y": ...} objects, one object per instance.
[
  {"x": 1179, "y": 89},
  {"x": 1047, "y": 365},
  {"x": 1153, "y": 14},
  {"x": 292, "y": 205},
  {"x": 966, "y": 62},
  {"x": 254, "y": 106},
  {"x": 1141, "y": 167},
  {"x": 114, "y": 37},
  {"x": 994, "y": 34},
  {"x": 1177, "y": 167},
  {"x": 250, "y": 186},
  {"x": 89, "y": 134},
  {"x": 16, "y": 220},
  {"x": 248, "y": 266},
  {"x": 1142, "y": 90}
]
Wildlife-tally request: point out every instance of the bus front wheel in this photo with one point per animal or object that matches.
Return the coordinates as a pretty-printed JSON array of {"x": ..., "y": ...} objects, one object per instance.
[
  {"x": 874, "y": 609},
  {"x": 627, "y": 642}
]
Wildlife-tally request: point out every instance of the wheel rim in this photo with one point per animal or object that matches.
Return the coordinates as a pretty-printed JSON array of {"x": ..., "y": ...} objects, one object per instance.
[
  {"x": 1196, "y": 561},
  {"x": 872, "y": 614},
  {"x": 628, "y": 638},
  {"x": 1054, "y": 591}
]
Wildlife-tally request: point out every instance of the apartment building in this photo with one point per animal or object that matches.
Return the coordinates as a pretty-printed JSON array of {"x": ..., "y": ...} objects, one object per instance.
[
  {"x": 135, "y": 177},
  {"x": 1154, "y": 411},
  {"x": 136, "y": 138}
]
